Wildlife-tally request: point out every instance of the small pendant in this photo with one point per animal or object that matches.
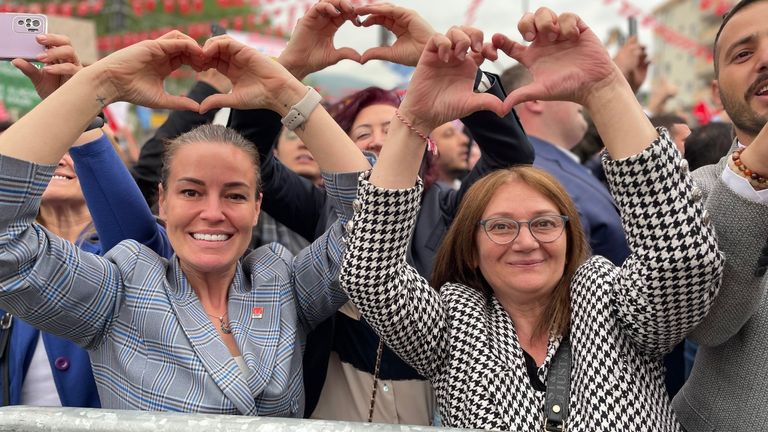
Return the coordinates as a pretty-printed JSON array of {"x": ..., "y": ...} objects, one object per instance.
[{"x": 225, "y": 327}]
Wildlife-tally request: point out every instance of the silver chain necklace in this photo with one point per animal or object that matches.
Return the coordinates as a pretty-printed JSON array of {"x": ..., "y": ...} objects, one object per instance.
[{"x": 223, "y": 325}]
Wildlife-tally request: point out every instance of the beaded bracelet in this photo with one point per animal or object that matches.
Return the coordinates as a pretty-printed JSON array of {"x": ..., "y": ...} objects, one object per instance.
[
  {"x": 430, "y": 144},
  {"x": 754, "y": 178}
]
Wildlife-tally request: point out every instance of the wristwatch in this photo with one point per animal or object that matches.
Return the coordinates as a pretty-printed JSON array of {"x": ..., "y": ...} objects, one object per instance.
[{"x": 300, "y": 112}]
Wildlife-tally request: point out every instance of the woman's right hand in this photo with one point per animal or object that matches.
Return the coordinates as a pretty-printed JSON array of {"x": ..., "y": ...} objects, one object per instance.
[
  {"x": 61, "y": 62},
  {"x": 136, "y": 74}
]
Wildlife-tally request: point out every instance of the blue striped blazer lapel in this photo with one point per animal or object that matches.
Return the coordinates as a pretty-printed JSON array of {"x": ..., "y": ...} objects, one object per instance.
[
  {"x": 254, "y": 307},
  {"x": 205, "y": 340}
]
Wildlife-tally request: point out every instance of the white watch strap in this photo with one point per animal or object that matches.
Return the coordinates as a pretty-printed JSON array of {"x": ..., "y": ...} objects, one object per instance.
[{"x": 300, "y": 112}]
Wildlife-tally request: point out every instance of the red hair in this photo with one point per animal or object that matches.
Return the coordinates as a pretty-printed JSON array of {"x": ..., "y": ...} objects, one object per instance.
[{"x": 347, "y": 109}]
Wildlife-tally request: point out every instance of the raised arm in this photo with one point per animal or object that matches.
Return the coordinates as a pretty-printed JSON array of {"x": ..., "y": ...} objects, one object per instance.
[
  {"x": 291, "y": 199},
  {"x": 114, "y": 200},
  {"x": 104, "y": 179},
  {"x": 44, "y": 279},
  {"x": 399, "y": 303},
  {"x": 669, "y": 281}
]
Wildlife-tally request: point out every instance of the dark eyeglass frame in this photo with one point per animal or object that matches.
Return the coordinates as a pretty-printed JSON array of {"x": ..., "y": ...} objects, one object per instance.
[{"x": 483, "y": 223}]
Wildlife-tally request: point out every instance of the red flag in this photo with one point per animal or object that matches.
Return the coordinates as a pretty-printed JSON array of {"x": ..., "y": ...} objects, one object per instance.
[
  {"x": 138, "y": 8},
  {"x": 184, "y": 7},
  {"x": 237, "y": 23},
  {"x": 66, "y": 9},
  {"x": 97, "y": 6},
  {"x": 82, "y": 8},
  {"x": 722, "y": 7},
  {"x": 702, "y": 113}
]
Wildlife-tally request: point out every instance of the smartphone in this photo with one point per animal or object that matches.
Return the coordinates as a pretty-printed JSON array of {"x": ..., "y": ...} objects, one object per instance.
[
  {"x": 17, "y": 35},
  {"x": 632, "y": 24}
]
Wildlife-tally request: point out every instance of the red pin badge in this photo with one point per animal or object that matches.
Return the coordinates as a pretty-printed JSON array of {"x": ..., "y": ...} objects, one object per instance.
[{"x": 257, "y": 312}]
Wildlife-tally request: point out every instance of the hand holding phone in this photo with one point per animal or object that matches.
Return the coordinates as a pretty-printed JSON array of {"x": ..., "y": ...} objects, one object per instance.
[
  {"x": 60, "y": 63},
  {"x": 18, "y": 35}
]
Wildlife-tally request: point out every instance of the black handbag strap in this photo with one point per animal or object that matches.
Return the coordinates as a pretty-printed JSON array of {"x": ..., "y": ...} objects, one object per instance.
[
  {"x": 5, "y": 369},
  {"x": 558, "y": 388}
]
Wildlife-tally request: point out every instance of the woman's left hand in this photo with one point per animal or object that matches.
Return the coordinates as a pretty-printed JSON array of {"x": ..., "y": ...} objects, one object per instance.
[
  {"x": 442, "y": 87},
  {"x": 257, "y": 80},
  {"x": 61, "y": 62}
]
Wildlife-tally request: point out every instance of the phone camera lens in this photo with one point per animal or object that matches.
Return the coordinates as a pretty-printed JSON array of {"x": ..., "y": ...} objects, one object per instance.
[
  {"x": 21, "y": 22},
  {"x": 36, "y": 23}
]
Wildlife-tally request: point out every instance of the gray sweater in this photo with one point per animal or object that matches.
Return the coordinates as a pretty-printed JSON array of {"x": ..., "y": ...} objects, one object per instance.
[{"x": 728, "y": 388}]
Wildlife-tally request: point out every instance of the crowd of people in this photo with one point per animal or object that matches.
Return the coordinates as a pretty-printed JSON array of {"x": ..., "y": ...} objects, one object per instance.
[{"x": 594, "y": 267}]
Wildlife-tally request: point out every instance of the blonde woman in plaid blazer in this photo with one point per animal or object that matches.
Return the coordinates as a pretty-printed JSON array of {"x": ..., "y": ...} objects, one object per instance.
[
  {"x": 512, "y": 278},
  {"x": 207, "y": 331}
]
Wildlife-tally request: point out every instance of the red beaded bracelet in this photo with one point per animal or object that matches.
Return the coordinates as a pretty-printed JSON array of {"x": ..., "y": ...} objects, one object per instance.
[
  {"x": 430, "y": 144},
  {"x": 753, "y": 177}
]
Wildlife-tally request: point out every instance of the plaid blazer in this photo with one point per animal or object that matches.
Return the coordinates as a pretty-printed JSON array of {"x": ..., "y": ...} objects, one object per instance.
[{"x": 152, "y": 345}]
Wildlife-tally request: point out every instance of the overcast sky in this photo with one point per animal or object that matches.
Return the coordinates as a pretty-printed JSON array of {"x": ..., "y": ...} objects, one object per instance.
[{"x": 500, "y": 16}]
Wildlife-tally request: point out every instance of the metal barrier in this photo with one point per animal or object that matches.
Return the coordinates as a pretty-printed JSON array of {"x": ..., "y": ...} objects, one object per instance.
[{"x": 28, "y": 419}]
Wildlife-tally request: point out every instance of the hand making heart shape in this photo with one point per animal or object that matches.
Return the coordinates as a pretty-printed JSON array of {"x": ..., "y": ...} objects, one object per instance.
[{"x": 567, "y": 62}]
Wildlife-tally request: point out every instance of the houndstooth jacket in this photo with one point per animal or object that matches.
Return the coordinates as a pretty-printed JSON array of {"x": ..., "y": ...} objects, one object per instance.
[
  {"x": 623, "y": 318},
  {"x": 151, "y": 343}
]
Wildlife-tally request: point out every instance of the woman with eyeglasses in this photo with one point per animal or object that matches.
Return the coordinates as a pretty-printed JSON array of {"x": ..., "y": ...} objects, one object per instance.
[{"x": 520, "y": 329}]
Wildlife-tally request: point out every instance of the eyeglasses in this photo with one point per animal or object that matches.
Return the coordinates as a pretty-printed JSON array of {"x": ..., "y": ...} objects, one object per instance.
[{"x": 545, "y": 229}]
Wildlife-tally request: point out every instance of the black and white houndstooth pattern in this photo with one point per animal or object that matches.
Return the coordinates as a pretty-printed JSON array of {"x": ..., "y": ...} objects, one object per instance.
[{"x": 623, "y": 318}]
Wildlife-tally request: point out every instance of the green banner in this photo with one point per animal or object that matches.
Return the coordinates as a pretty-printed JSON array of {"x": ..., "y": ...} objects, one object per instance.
[{"x": 16, "y": 91}]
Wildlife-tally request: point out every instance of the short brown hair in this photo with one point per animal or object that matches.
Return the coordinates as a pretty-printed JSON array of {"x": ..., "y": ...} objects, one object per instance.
[
  {"x": 457, "y": 257},
  {"x": 515, "y": 77}
]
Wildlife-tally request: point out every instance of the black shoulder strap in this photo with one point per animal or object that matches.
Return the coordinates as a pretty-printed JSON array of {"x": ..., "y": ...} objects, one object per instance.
[
  {"x": 5, "y": 342},
  {"x": 558, "y": 388}
]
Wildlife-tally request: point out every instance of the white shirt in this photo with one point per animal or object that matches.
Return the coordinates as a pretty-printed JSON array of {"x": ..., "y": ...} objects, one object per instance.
[{"x": 38, "y": 388}]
